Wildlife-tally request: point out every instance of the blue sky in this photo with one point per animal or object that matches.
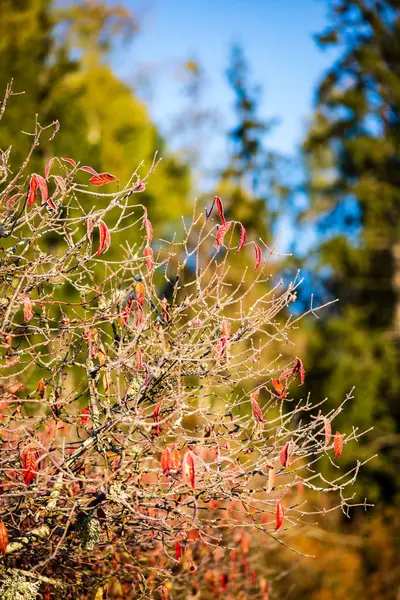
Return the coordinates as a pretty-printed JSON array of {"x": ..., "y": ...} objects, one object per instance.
[{"x": 275, "y": 34}]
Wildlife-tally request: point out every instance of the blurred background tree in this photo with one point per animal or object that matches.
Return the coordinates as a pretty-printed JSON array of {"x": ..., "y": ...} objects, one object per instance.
[{"x": 353, "y": 169}]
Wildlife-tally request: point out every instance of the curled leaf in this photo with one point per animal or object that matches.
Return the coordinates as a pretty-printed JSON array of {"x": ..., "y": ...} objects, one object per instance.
[
  {"x": 327, "y": 431},
  {"x": 148, "y": 228},
  {"x": 258, "y": 256},
  {"x": 279, "y": 515},
  {"x": 29, "y": 465},
  {"x": 149, "y": 256},
  {"x": 221, "y": 233},
  {"x": 88, "y": 170},
  {"x": 139, "y": 359},
  {"x": 242, "y": 240},
  {"x": 32, "y": 192},
  {"x": 102, "y": 179},
  {"x": 44, "y": 192},
  {"x": 175, "y": 459},
  {"x": 166, "y": 461},
  {"x": 28, "y": 311},
  {"x": 70, "y": 161},
  {"x": 3, "y": 538},
  {"x": 284, "y": 455},
  {"x": 256, "y": 409},
  {"x": 188, "y": 468},
  {"x": 220, "y": 209},
  {"x": 105, "y": 238},
  {"x": 280, "y": 388},
  {"x": 271, "y": 478},
  {"x": 11, "y": 200},
  {"x": 338, "y": 443},
  {"x": 48, "y": 167}
]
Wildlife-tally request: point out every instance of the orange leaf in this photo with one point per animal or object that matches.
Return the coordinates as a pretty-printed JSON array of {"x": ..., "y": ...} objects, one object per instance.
[
  {"x": 29, "y": 465},
  {"x": 166, "y": 461},
  {"x": 338, "y": 444},
  {"x": 102, "y": 179},
  {"x": 140, "y": 293},
  {"x": 3, "y": 538},
  {"x": 175, "y": 460},
  {"x": 279, "y": 515},
  {"x": 41, "y": 386},
  {"x": 279, "y": 387}
]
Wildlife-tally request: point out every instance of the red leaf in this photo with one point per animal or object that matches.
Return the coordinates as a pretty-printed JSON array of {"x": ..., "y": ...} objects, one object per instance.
[
  {"x": 3, "y": 538},
  {"x": 257, "y": 412},
  {"x": 156, "y": 414},
  {"x": 188, "y": 468},
  {"x": 286, "y": 374},
  {"x": 102, "y": 179},
  {"x": 44, "y": 192},
  {"x": 32, "y": 193},
  {"x": 28, "y": 312},
  {"x": 328, "y": 432},
  {"x": 51, "y": 204},
  {"x": 89, "y": 227},
  {"x": 29, "y": 465},
  {"x": 85, "y": 416},
  {"x": 284, "y": 454},
  {"x": 299, "y": 367},
  {"x": 338, "y": 444},
  {"x": 105, "y": 238},
  {"x": 242, "y": 240},
  {"x": 11, "y": 200},
  {"x": 279, "y": 515},
  {"x": 166, "y": 461},
  {"x": 220, "y": 209},
  {"x": 258, "y": 256},
  {"x": 48, "y": 167},
  {"x": 221, "y": 233},
  {"x": 178, "y": 551},
  {"x": 149, "y": 256},
  {"x": 70, "y": 161},
  {"x": 220, "y": 348},
  {"x": 88, "y": 170}
]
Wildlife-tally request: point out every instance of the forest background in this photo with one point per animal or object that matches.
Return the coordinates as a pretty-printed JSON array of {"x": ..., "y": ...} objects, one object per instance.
[{"x": 336, "y": 194}]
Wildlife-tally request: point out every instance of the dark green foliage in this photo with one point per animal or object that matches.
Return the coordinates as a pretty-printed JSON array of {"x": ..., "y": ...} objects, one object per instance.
[{"x": 352, "y": 152}]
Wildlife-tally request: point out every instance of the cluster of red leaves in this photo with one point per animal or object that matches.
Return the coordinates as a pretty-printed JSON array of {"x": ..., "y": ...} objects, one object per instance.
[{"x": 223, "y": 229}]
